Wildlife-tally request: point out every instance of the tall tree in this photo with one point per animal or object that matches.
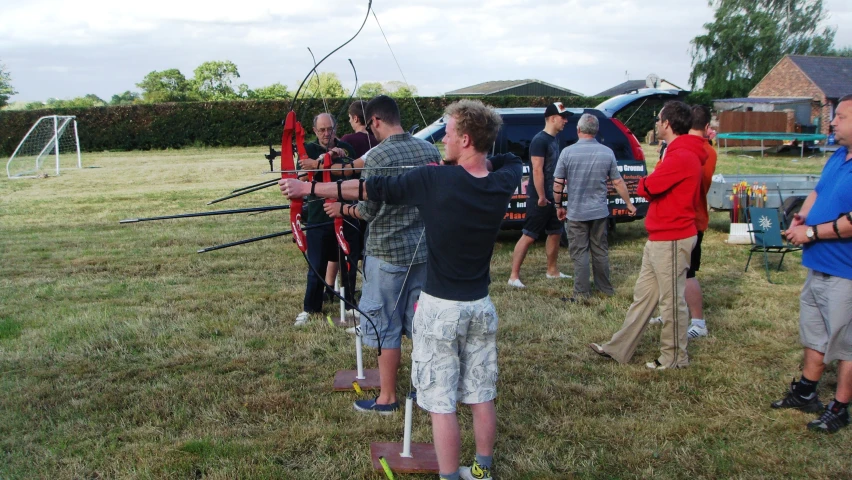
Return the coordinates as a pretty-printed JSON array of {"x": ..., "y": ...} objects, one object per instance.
[
  {"x": 6, "y": 89},
  {"x": 86, "y": 101},
  {"x": 215, "y": 80},
  {"x": 165, "y": 86},
  {"x": 328, "y": 86},
  {"x": 126, "y": 98},
  {"x": 399, "y": 89},
  {"x": 748, "y": 37},
  {"x": 369, "y": 90},
  {"x": 270, "y": 92}
]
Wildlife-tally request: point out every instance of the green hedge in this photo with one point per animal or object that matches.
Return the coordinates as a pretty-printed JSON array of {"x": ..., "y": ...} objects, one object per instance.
[{"x": 241, "y": 123}]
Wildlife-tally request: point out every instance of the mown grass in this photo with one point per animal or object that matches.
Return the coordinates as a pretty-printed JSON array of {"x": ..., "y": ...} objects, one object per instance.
[{"x": 124, "y": 354}]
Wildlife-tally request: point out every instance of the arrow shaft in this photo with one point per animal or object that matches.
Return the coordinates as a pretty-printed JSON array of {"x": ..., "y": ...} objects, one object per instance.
[{"x": 207, "y": 214}]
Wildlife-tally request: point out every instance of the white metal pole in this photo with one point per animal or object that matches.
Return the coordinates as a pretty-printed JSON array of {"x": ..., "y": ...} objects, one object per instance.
[
  {"x": 77, "y": 143},
  {"x": 359, "y": 356},
  {"x": 406, "y": 438},
  {"x": 20, "y": 144},
  {"x": 56, "y": 140}
]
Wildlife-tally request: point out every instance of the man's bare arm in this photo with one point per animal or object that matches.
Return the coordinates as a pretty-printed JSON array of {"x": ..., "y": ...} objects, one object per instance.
[
  {"x": 621, "y": 188},
  {"x": 334, "y": 210},
  {"x": 349, "y": 189},
  {"x": 538, "y": 177}
]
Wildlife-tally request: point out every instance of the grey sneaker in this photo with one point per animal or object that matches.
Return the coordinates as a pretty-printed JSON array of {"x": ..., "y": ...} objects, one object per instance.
[
  {"x": 475, "y": 472},
  {"x": 655, "y": 321},
  {"x": 831, "y": 420},
  {"x": 301, "y": 319},
  {"x": 810, "y": 403}
]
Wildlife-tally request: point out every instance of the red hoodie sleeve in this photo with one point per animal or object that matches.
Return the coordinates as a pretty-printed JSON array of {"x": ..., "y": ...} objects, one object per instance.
[{"x": 664, "y": 177}]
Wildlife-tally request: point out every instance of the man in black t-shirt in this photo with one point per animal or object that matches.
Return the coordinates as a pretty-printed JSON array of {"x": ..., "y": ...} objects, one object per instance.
[
  {"x": 462, "y": 204},
  {"x": 541, "y": 212}
]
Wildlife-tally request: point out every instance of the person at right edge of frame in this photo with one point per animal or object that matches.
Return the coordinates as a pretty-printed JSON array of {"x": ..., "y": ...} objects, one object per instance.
[
  {"x": 823, "y": 227},
  {"x": 672, "y": 191}
]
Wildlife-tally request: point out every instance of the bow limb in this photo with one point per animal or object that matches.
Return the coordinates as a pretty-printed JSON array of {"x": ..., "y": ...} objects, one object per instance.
[
  {"x": 319, "y": 84},
  {"x": 346, "y": 103},
  {"x": 292, "y": 144},
  {"x": 338, "y": 221},
  {"x": 366, "y": 16},
  {"x": 422, "y": 117},
  {"x": 293, "y": 147}
]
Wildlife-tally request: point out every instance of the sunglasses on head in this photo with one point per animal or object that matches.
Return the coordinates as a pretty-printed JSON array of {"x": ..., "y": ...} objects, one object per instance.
[{"x": 370, "y": 124}]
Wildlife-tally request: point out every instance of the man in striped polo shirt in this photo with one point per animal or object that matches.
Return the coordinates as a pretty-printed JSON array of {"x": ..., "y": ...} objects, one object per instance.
[{"x": 580, "y": 178}]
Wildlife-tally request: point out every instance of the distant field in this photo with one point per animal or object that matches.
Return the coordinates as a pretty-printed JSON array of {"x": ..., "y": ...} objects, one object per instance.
[{"x": 124, "y": 354}]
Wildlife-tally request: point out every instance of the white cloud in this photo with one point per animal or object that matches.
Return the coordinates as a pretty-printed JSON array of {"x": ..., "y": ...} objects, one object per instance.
[{"x": 105, "y": 47}]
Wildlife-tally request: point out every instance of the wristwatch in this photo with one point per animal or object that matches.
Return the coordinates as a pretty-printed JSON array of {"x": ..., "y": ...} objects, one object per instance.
[{"x": 810, "y": 233}]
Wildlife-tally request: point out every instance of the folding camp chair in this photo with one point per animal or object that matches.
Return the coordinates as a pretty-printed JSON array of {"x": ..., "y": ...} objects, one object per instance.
[{"x": 766, "y": 227}]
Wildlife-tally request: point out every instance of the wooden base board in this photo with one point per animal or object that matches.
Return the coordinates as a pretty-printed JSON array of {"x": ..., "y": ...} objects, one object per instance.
[
  {"x": 343, "y": 380},
  {"x": 423, "y": 457},
  {"x": 345, "y": 323}
]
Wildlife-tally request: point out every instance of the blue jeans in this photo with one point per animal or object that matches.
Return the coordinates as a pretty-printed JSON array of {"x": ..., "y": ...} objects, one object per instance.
[{"x": 388, "y": 297}]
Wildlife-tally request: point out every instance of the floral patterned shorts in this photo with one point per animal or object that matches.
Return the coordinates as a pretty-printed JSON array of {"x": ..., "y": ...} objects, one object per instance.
[{"x": 454, "y": 358}]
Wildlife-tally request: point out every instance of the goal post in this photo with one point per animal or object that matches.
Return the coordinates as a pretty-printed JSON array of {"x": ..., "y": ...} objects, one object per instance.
[{"x": 53, "y": 136}]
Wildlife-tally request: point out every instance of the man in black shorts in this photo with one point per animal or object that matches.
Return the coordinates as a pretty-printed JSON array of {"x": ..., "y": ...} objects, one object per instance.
[{"x": 541, "y": 212}]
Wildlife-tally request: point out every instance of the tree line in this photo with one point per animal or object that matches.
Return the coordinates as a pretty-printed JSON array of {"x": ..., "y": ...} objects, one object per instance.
[{"x": 211, "y": 81}]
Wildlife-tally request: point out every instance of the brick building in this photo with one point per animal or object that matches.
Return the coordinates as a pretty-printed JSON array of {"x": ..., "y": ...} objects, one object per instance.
[{"x": 821, "y": 79}]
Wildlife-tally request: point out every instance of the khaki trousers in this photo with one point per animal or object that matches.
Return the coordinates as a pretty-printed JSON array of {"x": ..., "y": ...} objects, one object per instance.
[{"x": 662, "y": 281}]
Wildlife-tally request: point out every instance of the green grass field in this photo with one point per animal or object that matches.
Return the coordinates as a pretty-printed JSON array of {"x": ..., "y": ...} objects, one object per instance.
[{"x": 124, "y": 354}]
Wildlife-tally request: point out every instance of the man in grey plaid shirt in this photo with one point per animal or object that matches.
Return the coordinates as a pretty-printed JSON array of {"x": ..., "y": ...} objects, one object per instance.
[{"x": 395, "y": 264}]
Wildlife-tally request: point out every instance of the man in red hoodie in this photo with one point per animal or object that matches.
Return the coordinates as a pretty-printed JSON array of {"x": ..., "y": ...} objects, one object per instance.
[{"x": 673, "y": 191}]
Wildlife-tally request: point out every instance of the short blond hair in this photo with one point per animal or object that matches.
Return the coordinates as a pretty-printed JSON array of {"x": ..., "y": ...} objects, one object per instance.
[{"x": 476, "y": 120}]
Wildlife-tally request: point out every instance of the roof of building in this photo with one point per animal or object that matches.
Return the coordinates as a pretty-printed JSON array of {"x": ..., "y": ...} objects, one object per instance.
[
  {"x": 630, "y": 86},
  {"x": 625, "y": 87},
  {"x": 490, "y": 88},
  {"x": 833, "y": 75}
]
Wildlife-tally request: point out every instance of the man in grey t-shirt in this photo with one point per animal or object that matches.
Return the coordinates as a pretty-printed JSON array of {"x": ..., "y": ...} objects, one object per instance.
[
  {"x": 541, "y": 215},
  {"x": 580, "y": 178}
]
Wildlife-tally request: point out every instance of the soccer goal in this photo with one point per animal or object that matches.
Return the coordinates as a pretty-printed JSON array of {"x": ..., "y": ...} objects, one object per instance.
[{"x": 49, "y": 137}]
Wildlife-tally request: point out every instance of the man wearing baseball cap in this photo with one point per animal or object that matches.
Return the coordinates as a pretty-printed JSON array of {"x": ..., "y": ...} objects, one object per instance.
[{"x": 541, "y": 212}]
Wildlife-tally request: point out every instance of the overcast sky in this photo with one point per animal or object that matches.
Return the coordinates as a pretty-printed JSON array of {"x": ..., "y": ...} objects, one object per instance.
[{"x": 66, "y": 49}]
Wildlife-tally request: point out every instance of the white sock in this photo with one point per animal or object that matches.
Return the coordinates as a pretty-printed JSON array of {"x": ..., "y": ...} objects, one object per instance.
[{"x": 699, "y": 322}]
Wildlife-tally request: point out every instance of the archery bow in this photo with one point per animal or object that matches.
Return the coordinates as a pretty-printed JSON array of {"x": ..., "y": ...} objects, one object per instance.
[{"x": 292, "y": 149}]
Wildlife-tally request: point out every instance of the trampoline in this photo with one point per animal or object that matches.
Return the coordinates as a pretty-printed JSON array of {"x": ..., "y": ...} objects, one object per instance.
[{"x": 801, "y": 137}]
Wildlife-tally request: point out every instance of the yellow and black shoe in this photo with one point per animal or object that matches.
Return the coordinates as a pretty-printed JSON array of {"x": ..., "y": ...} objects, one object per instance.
[{"x": 475, "y": 472}]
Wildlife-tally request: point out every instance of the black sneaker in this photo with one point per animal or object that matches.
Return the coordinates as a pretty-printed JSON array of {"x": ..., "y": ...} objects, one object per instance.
[
  {"x": 810, "y": 403},
  {"x": 831, "y": 419}
]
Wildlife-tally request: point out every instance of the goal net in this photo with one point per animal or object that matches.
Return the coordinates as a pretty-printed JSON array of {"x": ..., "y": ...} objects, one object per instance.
[{"x": 50, "y": 139}]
